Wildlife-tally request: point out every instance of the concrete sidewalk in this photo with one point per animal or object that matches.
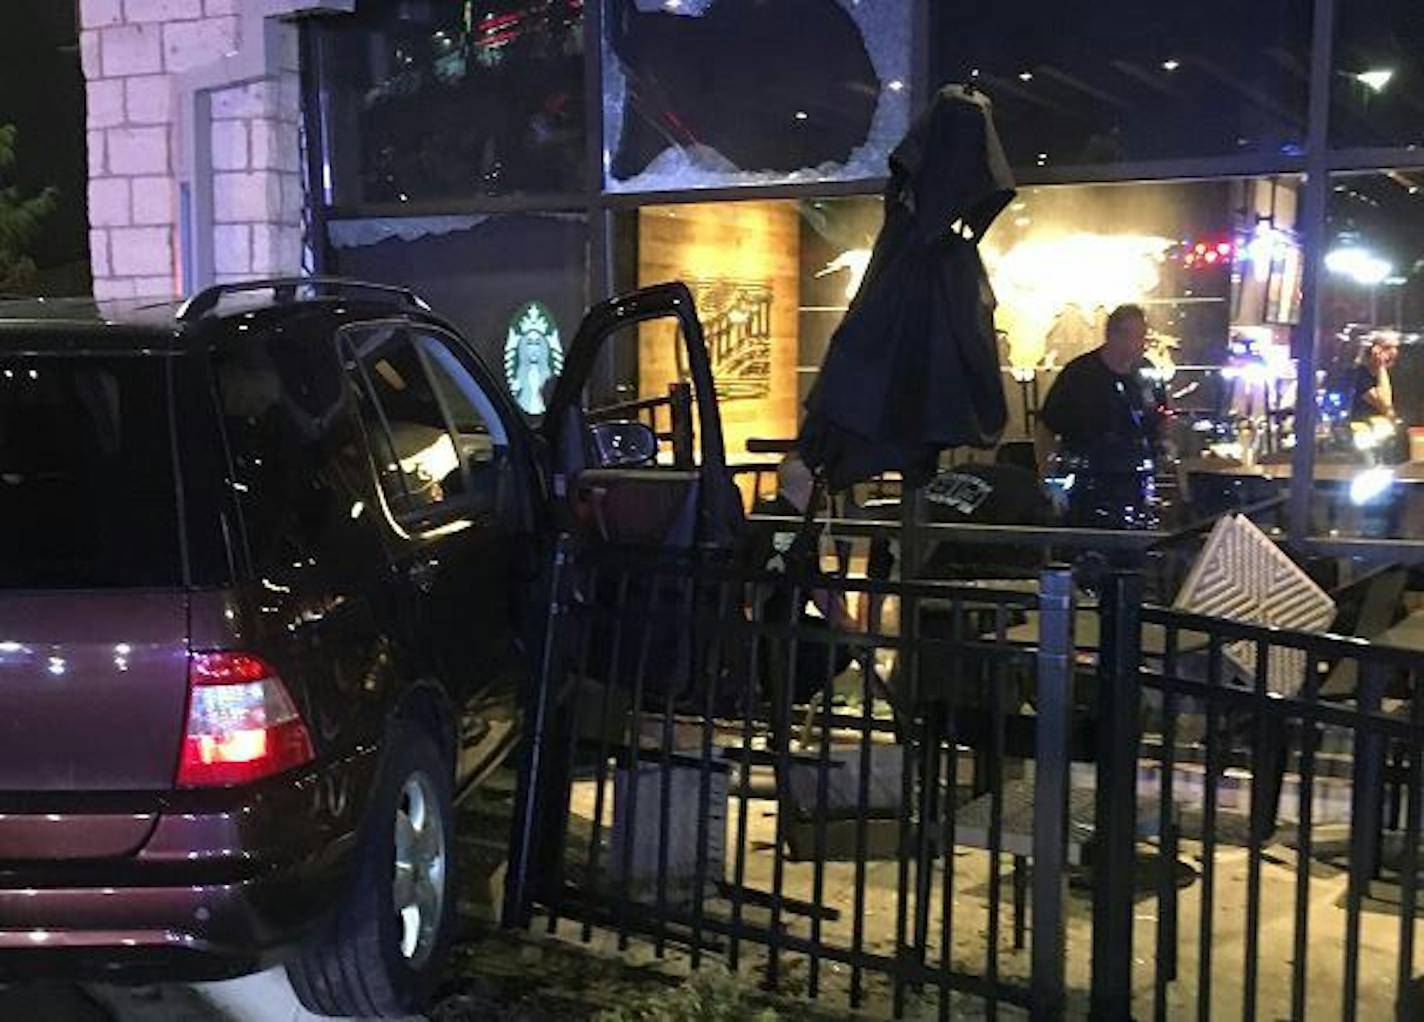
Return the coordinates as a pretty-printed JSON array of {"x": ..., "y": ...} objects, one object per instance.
[{"x": 266, "y": 997}]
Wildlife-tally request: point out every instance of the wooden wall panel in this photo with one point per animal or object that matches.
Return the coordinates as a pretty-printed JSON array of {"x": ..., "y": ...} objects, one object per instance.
[{"x": 742, "y": 260}]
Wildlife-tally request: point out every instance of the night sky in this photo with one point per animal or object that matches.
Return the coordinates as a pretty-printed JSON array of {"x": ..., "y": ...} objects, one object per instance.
[{"x": 42, "y": 93}]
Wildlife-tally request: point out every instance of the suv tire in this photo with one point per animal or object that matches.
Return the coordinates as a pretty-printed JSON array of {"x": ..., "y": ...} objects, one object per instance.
[{"x": 381, "y": 954}]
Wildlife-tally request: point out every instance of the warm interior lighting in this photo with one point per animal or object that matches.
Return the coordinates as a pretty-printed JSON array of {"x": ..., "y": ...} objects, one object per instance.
[{"x": 1041, "y": 280}]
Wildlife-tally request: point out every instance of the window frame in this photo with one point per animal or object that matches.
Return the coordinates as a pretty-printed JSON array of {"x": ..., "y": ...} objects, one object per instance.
[{"x": 1317, "y": 162}]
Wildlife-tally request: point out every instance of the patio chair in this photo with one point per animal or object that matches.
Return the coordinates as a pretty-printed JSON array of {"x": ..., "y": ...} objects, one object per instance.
[
  {"x": 1368, "y": 606},
  {"x": 1243, "y": 576}
]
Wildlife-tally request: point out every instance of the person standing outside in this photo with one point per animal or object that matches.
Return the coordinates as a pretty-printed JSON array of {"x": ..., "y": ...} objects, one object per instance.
[{"x": 1100, "y": 423}]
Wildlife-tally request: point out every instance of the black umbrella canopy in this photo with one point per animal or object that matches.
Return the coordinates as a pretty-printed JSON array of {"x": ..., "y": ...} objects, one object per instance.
[{"x": 914, "y": 367}]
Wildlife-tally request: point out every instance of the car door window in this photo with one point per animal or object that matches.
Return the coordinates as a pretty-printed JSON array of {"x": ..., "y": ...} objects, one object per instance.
[
  {"x": 414, "y": 452},
  {"x": 662, "y": 397},
  {"x": 433, "y": 432},
  {"x": 480, "y": 435}
]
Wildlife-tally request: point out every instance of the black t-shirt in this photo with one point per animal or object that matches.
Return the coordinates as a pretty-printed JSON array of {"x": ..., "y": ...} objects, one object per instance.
[
  {"x": 1102, "y": 416},
  {"x": 1365, "y": 380}
]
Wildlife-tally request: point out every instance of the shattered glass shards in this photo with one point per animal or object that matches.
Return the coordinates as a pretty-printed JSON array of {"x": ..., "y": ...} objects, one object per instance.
[{"x": 716, "y": 93}]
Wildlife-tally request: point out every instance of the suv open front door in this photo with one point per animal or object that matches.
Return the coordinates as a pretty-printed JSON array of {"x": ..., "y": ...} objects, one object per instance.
[
  {"x": 612, "y": 482},
  {"x": 617, "y": 482}
]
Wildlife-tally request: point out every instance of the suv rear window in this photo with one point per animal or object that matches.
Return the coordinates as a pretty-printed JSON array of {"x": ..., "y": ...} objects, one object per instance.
[{"x": 86, "y": 473}]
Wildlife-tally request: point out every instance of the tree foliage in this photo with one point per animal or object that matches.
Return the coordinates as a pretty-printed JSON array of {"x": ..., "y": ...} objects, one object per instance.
[{"x": 21, "y": 219}]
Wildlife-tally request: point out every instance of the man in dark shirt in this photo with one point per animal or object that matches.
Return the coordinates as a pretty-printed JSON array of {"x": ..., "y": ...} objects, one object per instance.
[
  {"x": 1373, "y": 417},
  {"x": 1099, "y": 419},
  {"x": 1373, "y": 392}
]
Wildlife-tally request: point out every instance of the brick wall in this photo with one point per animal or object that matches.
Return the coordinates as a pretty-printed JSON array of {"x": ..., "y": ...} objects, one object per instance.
[
  {"x": 140, "y": 59},
  {"x": 257, "y": 184}
]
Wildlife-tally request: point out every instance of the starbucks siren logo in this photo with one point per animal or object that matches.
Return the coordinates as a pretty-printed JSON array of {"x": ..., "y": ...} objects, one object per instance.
[{"x": 532, "y": 356}]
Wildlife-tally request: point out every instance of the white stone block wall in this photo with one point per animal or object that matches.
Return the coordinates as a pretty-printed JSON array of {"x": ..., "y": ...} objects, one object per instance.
[
  {"x": 133, "y": 54},
  {"x": 257, "y": 184}
]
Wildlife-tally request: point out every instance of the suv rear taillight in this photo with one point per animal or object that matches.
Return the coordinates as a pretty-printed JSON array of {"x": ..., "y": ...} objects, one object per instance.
[{"x": 242, "y": 724}]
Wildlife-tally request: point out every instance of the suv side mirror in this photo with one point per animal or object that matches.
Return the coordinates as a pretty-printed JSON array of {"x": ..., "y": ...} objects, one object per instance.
[{"x": 623, "y": 444}]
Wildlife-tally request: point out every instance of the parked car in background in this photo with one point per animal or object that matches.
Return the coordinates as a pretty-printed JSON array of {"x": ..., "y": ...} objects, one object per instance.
[{"x": 269, "y": 568}]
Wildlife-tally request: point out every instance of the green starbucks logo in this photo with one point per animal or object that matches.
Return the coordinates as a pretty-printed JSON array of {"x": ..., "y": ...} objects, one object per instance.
[{"x": 532, "y": 356}]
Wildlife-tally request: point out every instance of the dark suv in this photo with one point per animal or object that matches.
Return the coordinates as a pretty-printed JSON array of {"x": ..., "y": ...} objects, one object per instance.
[{"x": 267, "y": 582}]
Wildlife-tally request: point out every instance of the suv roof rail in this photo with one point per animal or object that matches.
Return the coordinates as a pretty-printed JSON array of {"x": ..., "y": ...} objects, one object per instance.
[{"x": 285, "y": 289}]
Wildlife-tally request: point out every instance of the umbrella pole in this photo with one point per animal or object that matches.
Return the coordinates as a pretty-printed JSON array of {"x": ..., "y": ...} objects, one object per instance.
[
  {"x": 911, "y": 561},
  {"x": 912, "y": 743},
  {"x": 912, "y": 508}
]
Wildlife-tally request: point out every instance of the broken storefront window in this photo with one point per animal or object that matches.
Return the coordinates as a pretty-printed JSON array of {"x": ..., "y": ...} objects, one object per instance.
[{"x": 704, "y": 93}]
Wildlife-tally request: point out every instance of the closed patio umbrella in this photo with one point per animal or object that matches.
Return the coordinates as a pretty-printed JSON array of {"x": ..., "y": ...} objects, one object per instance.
[{"x": 914, "y": 366}]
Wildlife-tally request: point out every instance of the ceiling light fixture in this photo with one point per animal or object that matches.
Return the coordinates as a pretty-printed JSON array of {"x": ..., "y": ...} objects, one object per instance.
[{"x": 1358, "y": 264}]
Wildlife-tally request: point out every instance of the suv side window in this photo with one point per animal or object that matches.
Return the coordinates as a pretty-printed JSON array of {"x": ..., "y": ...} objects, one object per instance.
[
  {"x": 435, "y": 436},
  {"x": 290, "y": 437}
]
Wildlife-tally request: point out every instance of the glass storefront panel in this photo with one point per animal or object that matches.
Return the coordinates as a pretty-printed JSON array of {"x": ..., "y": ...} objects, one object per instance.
[
  {"x": 438, "y": 99},
  {"x": 744, "y": 263},
  {"x": 1370, "y": 460},
  {"x": 428, "y": 101},
  {"x": 1216, "y": 265},
  {"x": 1378, "y": 80},
  {"x": 1089, "y": 83},
  {"x": 702, "y": 93},
  {"x": 514, "y": 285}
]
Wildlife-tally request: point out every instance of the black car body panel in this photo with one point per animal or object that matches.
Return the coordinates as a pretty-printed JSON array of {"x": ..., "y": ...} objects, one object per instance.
[{"x": 361, "y": 505}]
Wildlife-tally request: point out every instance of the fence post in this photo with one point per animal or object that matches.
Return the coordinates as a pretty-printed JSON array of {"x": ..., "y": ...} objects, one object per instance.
[
  {"x": 533, "y": 784},
  {"x": 1366, "y": 796},
  {"x": 1115, "y": 820},
  {"x": 1368, "y": 778},
  {"x": 1051, "y": 767}
]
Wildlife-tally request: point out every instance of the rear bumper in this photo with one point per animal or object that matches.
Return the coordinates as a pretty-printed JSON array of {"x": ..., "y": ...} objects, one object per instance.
[
  {"x": 187, "y": 933},
  {"x": 226, "y": 883}
]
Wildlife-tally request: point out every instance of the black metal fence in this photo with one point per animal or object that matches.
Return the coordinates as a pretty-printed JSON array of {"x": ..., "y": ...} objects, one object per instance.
[
  {"x": 1326, "y": 733},
  {"x": 861, "y": 791}
]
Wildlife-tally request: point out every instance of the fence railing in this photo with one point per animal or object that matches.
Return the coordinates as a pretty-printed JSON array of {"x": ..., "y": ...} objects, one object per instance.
[
  {"x": 863, "y": 790},
  {"x": 1276, "y": 704}
]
